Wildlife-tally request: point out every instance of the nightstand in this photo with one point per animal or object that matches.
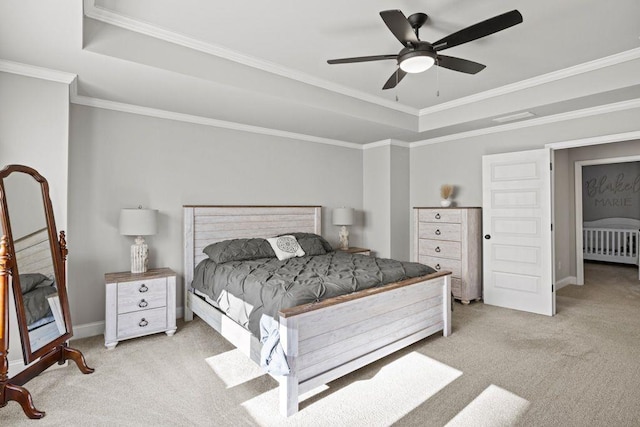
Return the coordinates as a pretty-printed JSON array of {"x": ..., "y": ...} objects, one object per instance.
[
  {"x": 361, "y": 251},
  {"x": 139, "y": 304}
]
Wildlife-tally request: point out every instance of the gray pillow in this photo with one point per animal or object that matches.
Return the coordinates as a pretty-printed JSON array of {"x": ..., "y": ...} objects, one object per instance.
[
  {"x": 30, "y": 281},
  {"x": 311, "y": 244},
  {"x": 239, "y": 250}
]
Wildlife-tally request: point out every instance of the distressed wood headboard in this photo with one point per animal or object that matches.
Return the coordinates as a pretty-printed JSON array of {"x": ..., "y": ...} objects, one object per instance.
[
  {"x": 204, "y": 225},
  {"x": 33, "y": 253}
]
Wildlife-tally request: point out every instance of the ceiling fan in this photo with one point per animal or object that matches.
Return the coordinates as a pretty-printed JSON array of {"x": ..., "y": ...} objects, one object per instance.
[{"x": 418, "y": 55}]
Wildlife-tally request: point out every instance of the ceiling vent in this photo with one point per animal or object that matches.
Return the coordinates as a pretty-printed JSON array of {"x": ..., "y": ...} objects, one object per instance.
[{"x": 513, "y": 117}]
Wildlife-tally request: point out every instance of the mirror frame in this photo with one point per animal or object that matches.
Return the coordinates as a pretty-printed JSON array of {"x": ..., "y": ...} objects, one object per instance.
[{"x": 58, "y": 255}]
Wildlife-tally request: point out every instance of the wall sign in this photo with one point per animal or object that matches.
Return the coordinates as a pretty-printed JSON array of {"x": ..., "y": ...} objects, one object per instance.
[{"x": 611, "y": 190}]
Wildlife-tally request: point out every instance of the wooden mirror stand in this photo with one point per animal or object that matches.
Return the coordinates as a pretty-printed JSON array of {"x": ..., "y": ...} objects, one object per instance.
[{"x": 35, "y": 262}]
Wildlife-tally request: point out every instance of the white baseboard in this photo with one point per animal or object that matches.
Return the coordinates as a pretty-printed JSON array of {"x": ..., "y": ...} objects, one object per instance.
[
  {"x": 87, "y": 330},
  {"x": 569, "y": 280}
]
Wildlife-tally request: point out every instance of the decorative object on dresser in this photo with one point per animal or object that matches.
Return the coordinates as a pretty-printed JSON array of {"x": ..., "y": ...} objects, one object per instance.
[
  {"x": 33, "y": 256},
  {"x": 446, "y": 192},
  {"x": 451, "y": 239},
  {"x": 138, "y": 222},
  {"x": 354, "y": 250},
  {"x": 139, "y": 304},
  {"x": 343, "y": 217}
]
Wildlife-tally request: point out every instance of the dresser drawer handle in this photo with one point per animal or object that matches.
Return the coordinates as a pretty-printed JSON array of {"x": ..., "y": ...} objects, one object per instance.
[
  {"x": 437, "y": 267},
  {"x": 437, "y": 248},
  {"x": 143, "y": 303},
  {"x": 438, "y": 232},
  {"x": 142, "y": 289},
  {"x": 437, "y": 216},
  {"x": 143, "y": 323}
]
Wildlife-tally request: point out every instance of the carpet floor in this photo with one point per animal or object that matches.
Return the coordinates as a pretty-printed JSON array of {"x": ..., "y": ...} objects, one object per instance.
[{"x": 500, "y": 367}]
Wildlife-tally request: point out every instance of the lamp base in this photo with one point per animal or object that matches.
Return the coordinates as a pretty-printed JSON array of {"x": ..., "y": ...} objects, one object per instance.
[
  {"x": 344, "y": 238},
  {"x": 139, "y": 256}
]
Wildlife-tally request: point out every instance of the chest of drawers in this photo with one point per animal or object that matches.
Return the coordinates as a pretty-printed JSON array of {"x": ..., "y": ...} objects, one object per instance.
[
  {"x": 139, "y": 304},
  {"x": 450, "y": 239}
]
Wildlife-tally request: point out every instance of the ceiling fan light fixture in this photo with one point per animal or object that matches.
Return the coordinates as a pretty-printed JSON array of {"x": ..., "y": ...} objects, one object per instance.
[{"x": 416, "y": 61}]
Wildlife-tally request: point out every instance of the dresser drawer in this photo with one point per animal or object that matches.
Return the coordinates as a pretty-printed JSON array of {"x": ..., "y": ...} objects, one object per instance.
[
  {"x": 443, "y": 264},
  {"x": 142, "y": 294},
  {"x": 438, "y": 248},
  {"x": 142, "y": 322},
  {"x": 440, "y": 231},
  {"x": 440, "y": 215}
]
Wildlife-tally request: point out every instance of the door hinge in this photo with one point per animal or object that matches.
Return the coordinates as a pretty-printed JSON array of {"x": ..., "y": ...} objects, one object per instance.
[
  {"x": 552, "y": 287},
  {"x": 551, "y": 226},
  {"x": 550, "y": 166}
]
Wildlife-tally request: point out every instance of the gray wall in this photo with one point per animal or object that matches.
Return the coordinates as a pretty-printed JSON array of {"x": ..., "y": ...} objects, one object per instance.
[
  {"x": 611, "y": 191},
  {"x": 120, "y": 160},
  {"x": 34, "y": 117}
]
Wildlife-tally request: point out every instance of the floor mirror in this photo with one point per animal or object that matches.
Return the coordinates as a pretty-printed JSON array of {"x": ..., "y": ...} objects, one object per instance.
[{"x": 32, "y": 262}]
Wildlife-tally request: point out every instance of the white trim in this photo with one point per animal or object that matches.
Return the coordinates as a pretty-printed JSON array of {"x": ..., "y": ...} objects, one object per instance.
[
  {"x": 570, "y": 115},
  {"x": 596, "y": 140},
  {"x": 585, "y": 67},
  {"x": 36, "y": 72},
  {"x": 578, "y": 165},
  {"x": 569, "y": 280},
  {"x": 206, "y": 121},
  {"x": 101, "y": 14}
]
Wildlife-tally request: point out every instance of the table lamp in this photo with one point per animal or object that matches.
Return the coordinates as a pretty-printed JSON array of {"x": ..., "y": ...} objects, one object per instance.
[
  {"x": 138, "y": 222},
  {"x": 343, "y": 217}
]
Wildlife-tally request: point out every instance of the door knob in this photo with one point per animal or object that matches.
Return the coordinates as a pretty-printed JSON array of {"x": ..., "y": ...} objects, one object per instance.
[{"x": 487, "y": 236}]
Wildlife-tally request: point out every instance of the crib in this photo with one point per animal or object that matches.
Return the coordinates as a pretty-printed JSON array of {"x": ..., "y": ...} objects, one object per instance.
[{"x": 611, "y": 240}]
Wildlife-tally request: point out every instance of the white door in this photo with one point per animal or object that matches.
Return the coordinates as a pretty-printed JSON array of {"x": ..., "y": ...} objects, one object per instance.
[{"x": 516, "y": 221}]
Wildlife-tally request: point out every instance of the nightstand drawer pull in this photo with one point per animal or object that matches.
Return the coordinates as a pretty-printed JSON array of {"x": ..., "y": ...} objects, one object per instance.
[
  {"x": 143, "y": 288},
  {"x": 437, "y": 267},
  {"x": 143, "y": 303},
  {"x": 438, "y": 232},
  {"x": 437, "y": 249},
  {"x": 437, "y": 216},
  {"x": 143, "y": 323}
]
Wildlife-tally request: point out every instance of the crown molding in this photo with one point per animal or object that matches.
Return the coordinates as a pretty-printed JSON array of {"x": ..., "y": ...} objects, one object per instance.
[
  {"x": 604, "y": 139},
  {"x": 585, "y": 67},
  {"x": 36, "y": 72},
  {"x": 571, "y": 115},
  {"x": 386, "y": 142},
  {"x": 206, "y": 121},
  {"x": 109, "y": 17}
]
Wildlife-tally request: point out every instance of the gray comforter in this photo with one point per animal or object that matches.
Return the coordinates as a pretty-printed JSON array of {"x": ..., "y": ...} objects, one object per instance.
[{"x": 267, "y": 285}]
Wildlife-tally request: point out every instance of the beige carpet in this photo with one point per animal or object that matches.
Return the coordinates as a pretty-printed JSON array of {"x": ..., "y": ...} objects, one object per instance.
[{"x": 499, "y": 367}]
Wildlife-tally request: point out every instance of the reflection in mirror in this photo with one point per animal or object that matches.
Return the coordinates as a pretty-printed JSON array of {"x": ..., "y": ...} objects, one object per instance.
[{"x": 34, "y": 260}]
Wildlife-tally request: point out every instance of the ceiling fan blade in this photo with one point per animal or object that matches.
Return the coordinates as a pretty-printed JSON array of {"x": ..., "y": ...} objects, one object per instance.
[
  {"x": 479, "y": 30},
  {"x": 459, "y": 64},
  {"x": 399, "y": 26},
  {"x": 362, "y": 59},
  {"x": 394, "y": 79}
]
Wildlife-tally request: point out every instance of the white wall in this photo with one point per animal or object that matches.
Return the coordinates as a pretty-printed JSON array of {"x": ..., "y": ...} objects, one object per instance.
[{"x": 120, "y": 160}]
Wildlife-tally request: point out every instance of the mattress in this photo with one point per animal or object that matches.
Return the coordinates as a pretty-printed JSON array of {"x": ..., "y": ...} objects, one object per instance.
[{"x": 245, "y": 290}]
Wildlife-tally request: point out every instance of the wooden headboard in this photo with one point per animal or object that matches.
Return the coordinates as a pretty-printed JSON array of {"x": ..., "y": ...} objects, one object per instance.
[
  {"x": 204, "y": 225},
  {"x": 33, "y": 253}
]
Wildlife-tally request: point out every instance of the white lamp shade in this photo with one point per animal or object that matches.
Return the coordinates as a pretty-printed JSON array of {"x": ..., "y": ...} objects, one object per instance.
[
  {"x": 343, "y": 216},
  {"x": 138, "y": 222}
]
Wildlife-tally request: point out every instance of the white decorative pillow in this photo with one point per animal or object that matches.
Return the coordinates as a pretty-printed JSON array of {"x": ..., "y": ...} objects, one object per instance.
[{"x": 285, "y": 247}]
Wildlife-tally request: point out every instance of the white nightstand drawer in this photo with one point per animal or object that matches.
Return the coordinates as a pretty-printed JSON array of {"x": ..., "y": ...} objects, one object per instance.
[
  {"x": 142, "y": 322},
  {"x": 142, "y": 294},
  {"x": 440, "y": 231},
  {"x": 443, "y": 264},
  {"x": 439, "y": 248},
  {"x": 440, "y": 215}
]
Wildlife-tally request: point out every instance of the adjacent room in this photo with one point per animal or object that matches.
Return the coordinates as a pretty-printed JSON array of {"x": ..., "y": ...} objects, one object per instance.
[{"x": 363, "y": 213}]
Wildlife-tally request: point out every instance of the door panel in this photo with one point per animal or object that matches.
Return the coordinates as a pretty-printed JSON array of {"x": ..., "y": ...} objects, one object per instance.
[{"x": 517, "y": 227}]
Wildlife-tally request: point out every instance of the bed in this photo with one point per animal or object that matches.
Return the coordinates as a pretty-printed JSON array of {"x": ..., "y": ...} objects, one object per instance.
[
  {"x": 39, "y": 292},
  {"x": 323, "y": 340},
  {"x": 611, "y": 240}
]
